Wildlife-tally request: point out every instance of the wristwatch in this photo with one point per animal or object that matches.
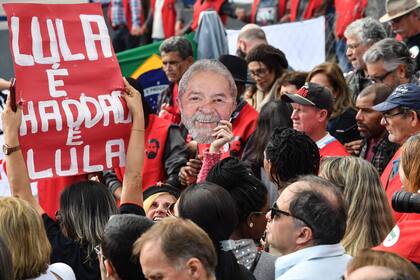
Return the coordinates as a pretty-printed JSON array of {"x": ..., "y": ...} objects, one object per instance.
[{"x": 9, "y": 150}]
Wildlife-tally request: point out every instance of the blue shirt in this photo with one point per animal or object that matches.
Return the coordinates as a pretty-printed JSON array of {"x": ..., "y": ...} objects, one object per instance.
[
  {"x": 118, "y": 16},
  {"x": 323, "y": 262}
]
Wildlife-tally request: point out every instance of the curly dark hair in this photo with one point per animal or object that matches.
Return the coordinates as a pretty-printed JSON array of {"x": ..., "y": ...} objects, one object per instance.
[
  {"x": 291, "y": 153},
  {"x": 272, "y": 57},
  {"x": 249, "y": 193}
]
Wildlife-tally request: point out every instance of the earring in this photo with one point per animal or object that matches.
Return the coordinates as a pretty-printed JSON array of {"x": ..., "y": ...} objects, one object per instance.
[{"x": 251, "y": 225}]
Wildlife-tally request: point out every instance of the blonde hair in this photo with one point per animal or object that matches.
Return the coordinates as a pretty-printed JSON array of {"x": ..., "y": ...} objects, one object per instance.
[
  {"x": 23, "y": 232},
  {"x": 369, "y": 215},
  {"x": 335, "y": 77},
  {"x": 391, "y": 260},
  {"x": 410, "y": 162}
]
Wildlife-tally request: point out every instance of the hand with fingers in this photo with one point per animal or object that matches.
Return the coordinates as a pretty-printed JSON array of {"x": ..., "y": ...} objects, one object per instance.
[
  {"x": 188, "y": 174},
  {"x": 11, "y": 121},
  {"x": 133, "y": 99},
  {"x": 223, "y": 134},
  {"x": 354, "y": 147}
]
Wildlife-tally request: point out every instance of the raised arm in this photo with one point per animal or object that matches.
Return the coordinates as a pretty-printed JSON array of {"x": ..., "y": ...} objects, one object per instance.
[
  {"x": 132, "y": 189},
  {"x": 17, "y": 173}
]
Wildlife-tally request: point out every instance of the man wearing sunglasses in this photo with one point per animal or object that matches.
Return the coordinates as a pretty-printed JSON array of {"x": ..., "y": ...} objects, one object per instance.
[
  {"x": 401, "y": 118},
  {"x": 389, "y": 61},
  {"x": 306, "y": 225},
  {"x": 404, "y": 18}
]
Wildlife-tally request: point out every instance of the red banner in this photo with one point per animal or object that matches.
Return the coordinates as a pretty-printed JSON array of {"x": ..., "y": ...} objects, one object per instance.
[{"x": 68, "y": 78}]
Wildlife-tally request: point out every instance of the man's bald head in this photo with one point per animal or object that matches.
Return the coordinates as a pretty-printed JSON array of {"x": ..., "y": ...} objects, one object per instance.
[{"x": 249, "y": 37}]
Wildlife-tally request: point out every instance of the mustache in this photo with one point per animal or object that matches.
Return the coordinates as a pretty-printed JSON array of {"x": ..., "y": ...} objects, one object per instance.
[{"x": 200, "y": 117}]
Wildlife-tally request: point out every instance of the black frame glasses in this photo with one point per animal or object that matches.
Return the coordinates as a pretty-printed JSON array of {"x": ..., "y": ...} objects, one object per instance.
[
  {"x": 276, "y": 212},
  {"x": 401, "y": 111},
  {"x": 382, "y": 78},
  {"x": 261, "y": 72}
]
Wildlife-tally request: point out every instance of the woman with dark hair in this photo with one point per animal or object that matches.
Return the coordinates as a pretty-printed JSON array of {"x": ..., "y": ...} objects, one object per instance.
[
  {"x": 250, "y": 196},
  {"x": 273, "y": 114},
  {"x": 266, "y": 65},
  {"x": 291, "y": 82},
  {"x": 85, "y": 207},
  {"x": 342, "y": 123},
  {"x": 212, "y": 208}
]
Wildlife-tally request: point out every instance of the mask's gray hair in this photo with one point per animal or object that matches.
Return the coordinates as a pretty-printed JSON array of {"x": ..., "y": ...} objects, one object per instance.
[{"x": 207, "y": 65}]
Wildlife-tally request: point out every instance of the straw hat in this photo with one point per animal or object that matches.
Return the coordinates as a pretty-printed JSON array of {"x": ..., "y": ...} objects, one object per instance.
[{"x": 397, "y": 8}]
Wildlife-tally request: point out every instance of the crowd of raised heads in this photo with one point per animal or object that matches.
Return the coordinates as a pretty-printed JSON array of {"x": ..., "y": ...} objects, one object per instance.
[{"x": 248, "y": 169}]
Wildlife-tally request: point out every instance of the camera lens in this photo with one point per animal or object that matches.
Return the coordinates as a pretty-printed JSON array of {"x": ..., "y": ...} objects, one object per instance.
[{"x": 406, "y": 202}]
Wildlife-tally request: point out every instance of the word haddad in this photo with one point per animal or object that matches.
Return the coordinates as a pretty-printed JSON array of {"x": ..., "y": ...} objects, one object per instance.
[{"x": 68, "y": 79}]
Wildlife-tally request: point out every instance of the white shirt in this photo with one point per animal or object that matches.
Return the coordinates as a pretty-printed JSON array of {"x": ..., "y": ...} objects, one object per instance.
[
  {"x": 321, "y": 262},
  {"x": 324, "y": 141},
  {"x": 60, "y": 269},
  {"x": 157, "y": 30}
]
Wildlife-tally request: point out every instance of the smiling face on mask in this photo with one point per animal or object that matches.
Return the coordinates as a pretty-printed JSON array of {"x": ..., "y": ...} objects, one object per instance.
[{"x": 206, "y": 101}]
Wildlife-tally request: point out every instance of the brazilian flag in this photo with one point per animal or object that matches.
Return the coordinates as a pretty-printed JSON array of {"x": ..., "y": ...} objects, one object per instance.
[{"x": 144, "y": 65}]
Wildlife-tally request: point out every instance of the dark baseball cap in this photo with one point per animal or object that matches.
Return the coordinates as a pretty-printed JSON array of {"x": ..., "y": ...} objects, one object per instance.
[
  {"x": 312, "y": 94},
  {"x": 165, "y": 188},
  {"x": 406, "y": 95}
]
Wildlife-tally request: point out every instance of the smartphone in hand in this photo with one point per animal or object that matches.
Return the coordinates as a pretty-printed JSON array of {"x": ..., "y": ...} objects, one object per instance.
[{"x": 12, "y": 94}]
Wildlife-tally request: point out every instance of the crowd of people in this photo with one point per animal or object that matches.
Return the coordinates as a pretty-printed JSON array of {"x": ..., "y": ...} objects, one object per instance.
[{"x": 247, "y": 170}]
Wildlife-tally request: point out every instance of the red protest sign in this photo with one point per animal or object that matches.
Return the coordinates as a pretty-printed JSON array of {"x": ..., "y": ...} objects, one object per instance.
[{"x": 74, "y": 119}]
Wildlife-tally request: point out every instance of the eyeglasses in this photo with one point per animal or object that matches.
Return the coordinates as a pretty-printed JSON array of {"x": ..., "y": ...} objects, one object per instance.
[
  {"x": 276, "y": 212},
  {"x": 380, "y": 79},
  {"x": 398, "y": 19},
  {"x": 259, "y": 72},
  {"x": 388, "y": 115},
  {"x": 353, "y": 46}
]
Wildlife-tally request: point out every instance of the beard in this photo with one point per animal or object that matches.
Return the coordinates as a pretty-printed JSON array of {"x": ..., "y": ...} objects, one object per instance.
[
  {"x": 200, "y": 134},
  {"x": 240, "y": 53},
  {"x": 151, "y": 155}
]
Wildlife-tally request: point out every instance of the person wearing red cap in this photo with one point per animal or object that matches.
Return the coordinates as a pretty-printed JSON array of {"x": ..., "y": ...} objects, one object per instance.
[{"x": 312, "y": 107}]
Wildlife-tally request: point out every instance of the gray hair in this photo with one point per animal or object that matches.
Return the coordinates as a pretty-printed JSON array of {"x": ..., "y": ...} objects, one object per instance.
[
  {"x": 368, "y": 30},
  {"x": 393, "y": 53},
  {"x": 207, "y": 65},
  {"x": 177, "y": 44}
]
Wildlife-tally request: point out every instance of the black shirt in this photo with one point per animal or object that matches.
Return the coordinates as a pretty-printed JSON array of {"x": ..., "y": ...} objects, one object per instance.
[{"x": 70, "y": 252}]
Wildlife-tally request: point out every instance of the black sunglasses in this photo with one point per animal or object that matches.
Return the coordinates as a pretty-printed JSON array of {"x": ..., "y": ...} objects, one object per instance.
[{"x": 276, "y": 212}]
